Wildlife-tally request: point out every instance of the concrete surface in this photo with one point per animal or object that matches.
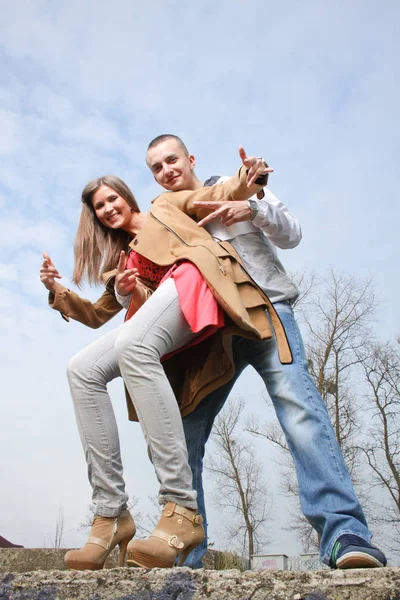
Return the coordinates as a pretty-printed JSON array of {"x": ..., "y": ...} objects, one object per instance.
[{"x": 185, "y": 584}]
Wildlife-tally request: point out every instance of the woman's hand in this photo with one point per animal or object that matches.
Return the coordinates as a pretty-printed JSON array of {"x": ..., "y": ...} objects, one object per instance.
[
  {"x": 125, "y": 279},
  {"x": 256, "y": 165},
  {"x": 49, "y": 273}
]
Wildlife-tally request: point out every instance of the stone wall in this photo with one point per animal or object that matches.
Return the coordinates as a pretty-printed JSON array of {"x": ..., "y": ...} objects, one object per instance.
[
  {"x": 20, "y": 580},
  {"x": 186, "y": 584}
]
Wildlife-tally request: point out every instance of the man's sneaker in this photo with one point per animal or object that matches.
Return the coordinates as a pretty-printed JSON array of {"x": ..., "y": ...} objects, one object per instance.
[{"x": 352, "y": 552}]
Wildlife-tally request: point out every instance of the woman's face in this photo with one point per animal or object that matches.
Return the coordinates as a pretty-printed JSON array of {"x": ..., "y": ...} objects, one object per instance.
[{"x": 111, "y": 209}]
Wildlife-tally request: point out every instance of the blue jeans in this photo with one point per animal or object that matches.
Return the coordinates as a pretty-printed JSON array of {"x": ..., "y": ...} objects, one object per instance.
[{"x": 327, "y": 497}]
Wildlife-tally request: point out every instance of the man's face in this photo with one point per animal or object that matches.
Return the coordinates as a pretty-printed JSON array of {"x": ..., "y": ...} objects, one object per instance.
[{"x": 171, "y": 166}]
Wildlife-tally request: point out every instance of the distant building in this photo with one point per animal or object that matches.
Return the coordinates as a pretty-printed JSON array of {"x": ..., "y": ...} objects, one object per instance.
[
  {"x": 6, "y": 544},
  {"x": 281, "y": 562}
]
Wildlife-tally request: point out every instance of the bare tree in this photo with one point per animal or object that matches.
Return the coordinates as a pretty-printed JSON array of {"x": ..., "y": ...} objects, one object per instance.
[
  {"x": 307, "y": 283},
  {"x": 338, "y": 321},
  {"x": 240, "y": 480},
  {"x": 381, "y": 445},
  {"x": 336, "y": 311},
  {"x": 144, "y": 523},
  {"x": 56, "y": 540},
  {"x": 297, "y": 522}
]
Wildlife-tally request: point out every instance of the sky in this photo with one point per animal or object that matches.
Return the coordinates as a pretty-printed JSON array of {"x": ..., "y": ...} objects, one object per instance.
[{"x": 84, "y": 86}]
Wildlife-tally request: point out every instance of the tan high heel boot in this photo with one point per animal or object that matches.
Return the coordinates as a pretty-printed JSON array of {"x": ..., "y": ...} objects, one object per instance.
[
  {"x": 106, "y": 533},
  {"x": 177, "y": 533}
]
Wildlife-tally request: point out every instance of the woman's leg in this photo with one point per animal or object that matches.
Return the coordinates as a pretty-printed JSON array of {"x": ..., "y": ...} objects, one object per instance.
[
  {"x": 158, "y": 328},
  {"x": 89, "y": 372}
]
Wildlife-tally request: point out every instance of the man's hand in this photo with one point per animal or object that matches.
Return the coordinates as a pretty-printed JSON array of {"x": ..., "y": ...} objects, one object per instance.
[
  {"x": 256, "y": 166},
  {"x": 125, "y": 279},
  {"x": 49, "y": 273},
  {"x": 228, "y": 212}
]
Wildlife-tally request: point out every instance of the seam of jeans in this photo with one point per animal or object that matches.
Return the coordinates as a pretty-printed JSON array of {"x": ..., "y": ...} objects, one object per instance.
[
  {"x": 309, "y": 383},
  {"x": 103, "y": 499},
  {"x": 109, "y": 470}
]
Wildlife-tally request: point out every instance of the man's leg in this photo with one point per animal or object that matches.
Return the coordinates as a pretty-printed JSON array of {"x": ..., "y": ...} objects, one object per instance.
[
  {"x": 197, "y": 427},
  {"x": 326, "y": 492}
]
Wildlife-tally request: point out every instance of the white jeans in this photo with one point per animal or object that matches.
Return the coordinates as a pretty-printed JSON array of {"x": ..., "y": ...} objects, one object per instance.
[{"x": 133, "y": 351}]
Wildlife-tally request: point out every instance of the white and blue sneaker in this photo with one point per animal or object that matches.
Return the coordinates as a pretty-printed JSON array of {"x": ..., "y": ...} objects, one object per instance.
[{"x": 352, "y": 552}]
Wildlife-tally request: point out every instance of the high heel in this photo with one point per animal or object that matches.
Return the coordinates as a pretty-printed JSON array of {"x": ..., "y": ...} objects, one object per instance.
[
  {"x": 123, "y": 547},
  {"x": 106, "y": 533},
  {"x": 177, "y": 533}
]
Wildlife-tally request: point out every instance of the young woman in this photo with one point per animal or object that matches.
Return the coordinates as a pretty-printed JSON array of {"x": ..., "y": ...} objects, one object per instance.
[{"x": 176, "y": 272}]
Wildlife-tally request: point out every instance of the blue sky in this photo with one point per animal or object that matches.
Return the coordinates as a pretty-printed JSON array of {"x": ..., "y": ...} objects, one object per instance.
[{"x": 312, "y": 86}]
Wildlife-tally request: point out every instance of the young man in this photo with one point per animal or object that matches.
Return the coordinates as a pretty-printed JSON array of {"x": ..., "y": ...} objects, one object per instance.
[{"x": 255, "y": 228}]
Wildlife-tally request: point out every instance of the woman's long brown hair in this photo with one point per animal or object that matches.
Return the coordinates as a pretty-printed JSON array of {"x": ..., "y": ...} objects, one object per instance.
[{"x": 96, "y": 247}]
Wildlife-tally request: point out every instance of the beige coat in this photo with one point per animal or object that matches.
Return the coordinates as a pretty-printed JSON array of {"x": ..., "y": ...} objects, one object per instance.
[{"x": 170, "y": 235}]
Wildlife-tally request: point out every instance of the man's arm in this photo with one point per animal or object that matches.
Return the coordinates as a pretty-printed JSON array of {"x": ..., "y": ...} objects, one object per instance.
[
  {"x": 280, "y": 226},
  {"x": 277, "y": 222},
  {"x": 273, "y": 218},
  {"x": 249, "y": 180}
]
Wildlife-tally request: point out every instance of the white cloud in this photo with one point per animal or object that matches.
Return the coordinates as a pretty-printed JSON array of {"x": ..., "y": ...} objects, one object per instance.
[
  {"x": 7, "y": 272},
  {"x": 21, "y": 232}
]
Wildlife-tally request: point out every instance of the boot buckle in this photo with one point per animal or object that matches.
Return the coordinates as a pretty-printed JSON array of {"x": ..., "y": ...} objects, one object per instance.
[
  {"x": 175, "y": 542},
  {"x": 197, "y": 519}
]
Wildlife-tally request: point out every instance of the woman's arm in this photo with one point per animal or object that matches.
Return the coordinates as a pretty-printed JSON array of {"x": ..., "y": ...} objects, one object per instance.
[
  {"x": 92, "y": 314},
  {"x": 70, "y": 305}
]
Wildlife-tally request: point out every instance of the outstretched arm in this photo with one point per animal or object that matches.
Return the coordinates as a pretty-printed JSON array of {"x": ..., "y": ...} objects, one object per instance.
[
  {"x": 230, "y": 212},
  {"x": 92, "y": 314},
  {"x": 273, "y": 217},
  {"x": 71, "y": 305},
  {"x": 239, "y": 187}
]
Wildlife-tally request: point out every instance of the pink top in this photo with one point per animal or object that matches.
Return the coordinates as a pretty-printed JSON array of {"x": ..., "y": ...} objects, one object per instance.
[{"x": 200, "y": 308}]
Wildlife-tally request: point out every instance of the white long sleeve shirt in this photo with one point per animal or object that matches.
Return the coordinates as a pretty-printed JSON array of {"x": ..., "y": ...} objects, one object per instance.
[{"x": 256, "y": 242}]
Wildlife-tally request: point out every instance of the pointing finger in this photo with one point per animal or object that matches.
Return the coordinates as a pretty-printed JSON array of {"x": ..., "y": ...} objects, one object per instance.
[
  {"x": 47, "y": 259},
  {"x": 121, "y": 262},
  {"x": 242, "y": 153},
  {"x": 209, "y": 218}
]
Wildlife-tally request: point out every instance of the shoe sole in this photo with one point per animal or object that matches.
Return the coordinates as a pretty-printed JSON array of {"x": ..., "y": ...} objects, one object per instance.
[
  {"x": 137, "y": 559},
  {"x": 84, "y": 566},
  {"x": 358, "y": 560}
]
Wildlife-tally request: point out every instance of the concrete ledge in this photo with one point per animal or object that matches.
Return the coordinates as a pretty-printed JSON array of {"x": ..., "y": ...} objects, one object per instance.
[
  {"x": 21, "y": 560},
  {"x": 185, "y": 584}
]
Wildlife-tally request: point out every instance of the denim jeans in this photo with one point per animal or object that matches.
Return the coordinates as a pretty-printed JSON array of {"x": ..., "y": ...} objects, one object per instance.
[
  {"x": 133, "y": 350},
  {"x": 327, "y": 496}
]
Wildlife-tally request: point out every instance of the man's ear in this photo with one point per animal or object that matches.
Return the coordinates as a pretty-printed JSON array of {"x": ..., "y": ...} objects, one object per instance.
[{"x": 192, "y": 161}]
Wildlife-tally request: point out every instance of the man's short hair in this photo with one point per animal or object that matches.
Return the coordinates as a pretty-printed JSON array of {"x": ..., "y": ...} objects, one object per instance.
[{"x": 163, "y": 138}]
